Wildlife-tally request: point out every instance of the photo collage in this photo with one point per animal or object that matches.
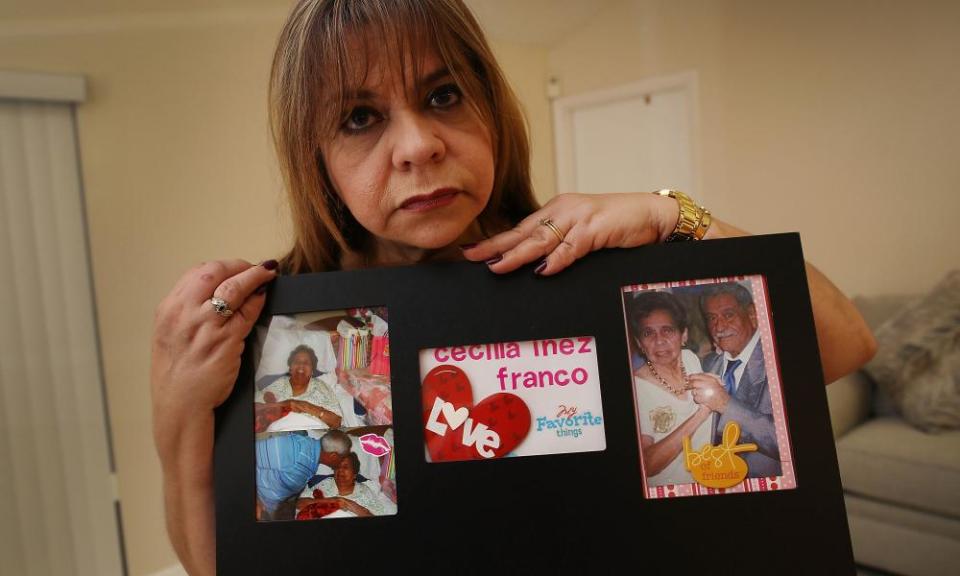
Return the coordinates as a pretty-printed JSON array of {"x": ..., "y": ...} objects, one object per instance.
[{"x": 323, "y": 417}]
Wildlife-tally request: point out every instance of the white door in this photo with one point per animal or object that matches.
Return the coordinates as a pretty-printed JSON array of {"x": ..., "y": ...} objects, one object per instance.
[{"x": 636, "y": 137}]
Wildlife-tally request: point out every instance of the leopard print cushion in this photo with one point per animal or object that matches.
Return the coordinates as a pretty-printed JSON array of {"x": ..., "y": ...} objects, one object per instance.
[{"x": 918, "y": 358}]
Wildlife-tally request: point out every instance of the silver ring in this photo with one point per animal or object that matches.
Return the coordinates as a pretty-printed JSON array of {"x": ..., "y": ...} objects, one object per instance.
[
  {"x": 553, "y": 228},
  {"x": 221, "y": 307}
]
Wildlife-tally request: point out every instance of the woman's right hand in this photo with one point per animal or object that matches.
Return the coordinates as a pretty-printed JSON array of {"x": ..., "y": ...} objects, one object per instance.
[
  {"x": 195, "y": 361},
  {"x": 348, "y": 505},
  {"x": 196, "y": 352}
]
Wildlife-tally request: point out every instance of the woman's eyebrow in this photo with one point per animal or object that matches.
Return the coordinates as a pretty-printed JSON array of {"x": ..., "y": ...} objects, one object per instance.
[
  {"x": 437, "y": 74},
  {"x": 360, "y": 94},
  {"x": 368, "y": 94}
]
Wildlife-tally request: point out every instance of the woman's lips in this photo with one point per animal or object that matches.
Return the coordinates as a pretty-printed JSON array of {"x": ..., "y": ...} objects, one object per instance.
[
  {"x": 663, "y": 353},
  {"x": 426, "y": 202}
]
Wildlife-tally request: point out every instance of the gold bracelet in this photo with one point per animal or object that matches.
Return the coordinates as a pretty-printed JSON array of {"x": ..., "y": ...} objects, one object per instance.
[{"x": 694, "y": 221}]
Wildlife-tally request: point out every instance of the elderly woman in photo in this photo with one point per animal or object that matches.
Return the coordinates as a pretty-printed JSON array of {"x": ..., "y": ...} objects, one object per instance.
[
  {"x": 667, "y": 411},
  {"x": 340, "y": 492},
  {"x": 301, "y": 392}
]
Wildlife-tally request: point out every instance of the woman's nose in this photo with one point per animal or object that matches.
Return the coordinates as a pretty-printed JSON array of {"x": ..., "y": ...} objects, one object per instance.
[{"x": 415, "y": 141}]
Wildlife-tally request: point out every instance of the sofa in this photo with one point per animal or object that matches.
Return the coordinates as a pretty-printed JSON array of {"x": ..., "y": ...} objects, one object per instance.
[{"x": 901, "y": 485}]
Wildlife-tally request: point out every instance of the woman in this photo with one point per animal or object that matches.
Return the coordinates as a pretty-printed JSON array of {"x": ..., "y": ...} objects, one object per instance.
[
  {"x": 300, "y": 391},
  {"x": 340, "y": 492},
  {"x": 664, "y": 383},
  {"x": 400, "y": 142}
]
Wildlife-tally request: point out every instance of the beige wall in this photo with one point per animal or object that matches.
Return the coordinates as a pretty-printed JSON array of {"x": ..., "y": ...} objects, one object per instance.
[
  {"x": 835, "y": 119},
  {"x": 526, "y": 68},
  {"x": 178, "y": 168}
]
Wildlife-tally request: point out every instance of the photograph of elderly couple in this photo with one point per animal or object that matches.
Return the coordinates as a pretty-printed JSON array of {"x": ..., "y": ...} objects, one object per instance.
[
  {"x": 323, "y": 416},
  {"x": 702, "y": 356}
]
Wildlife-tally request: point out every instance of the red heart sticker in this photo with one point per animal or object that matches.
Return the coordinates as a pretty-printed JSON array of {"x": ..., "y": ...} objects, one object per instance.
[
  {"x": 505, "y": 414},
  {"x": 449, "y": 383}
]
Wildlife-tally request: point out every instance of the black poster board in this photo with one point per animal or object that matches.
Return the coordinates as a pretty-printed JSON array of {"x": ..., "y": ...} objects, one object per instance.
[{"x": 581, "y": 512}]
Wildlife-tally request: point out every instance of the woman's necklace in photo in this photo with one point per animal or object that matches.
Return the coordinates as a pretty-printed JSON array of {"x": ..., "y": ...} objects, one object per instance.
[{"x": 675, "y": 390}]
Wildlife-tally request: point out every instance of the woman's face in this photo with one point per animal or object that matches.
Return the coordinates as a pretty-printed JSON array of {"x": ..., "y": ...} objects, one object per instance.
[
  {"x": 660, "y": 339},
  {"x": 345, "y": 474},
  {"x": 301, "y": 366},
  {"x": 414, "y": 167}
]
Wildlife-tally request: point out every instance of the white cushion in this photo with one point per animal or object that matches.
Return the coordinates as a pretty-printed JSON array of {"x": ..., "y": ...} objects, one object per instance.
[
  {"x": 903, "y": 541},
  {"x": 888, "y": 460}
]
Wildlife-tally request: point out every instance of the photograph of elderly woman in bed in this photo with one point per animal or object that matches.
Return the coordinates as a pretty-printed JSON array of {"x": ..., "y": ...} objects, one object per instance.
[
  {"x": 342, "y": 474},
  {"x": 300, "y": 391},
  {"x": 340, "y": 492},
  {"x": 698, "y": 351},
  {"x": 323, "y": 370}
]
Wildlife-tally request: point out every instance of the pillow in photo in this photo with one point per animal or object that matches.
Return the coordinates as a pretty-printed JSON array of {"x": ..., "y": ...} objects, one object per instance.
[{"x": 918, "y": 358}]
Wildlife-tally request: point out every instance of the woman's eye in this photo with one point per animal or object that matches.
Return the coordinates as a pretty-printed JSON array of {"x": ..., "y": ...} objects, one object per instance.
[
  {"x": 445, "y": 96},
  {"x": 360, "y": 119}
]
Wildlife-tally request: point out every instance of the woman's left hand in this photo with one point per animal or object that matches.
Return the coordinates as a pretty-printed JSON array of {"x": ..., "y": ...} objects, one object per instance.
[
  {"x": 586, "y": 222},
  {"x": 300, "y": 406}
]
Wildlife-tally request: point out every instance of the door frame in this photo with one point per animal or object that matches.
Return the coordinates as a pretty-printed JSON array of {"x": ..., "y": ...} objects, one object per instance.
[{"x": 565, "y": 107}]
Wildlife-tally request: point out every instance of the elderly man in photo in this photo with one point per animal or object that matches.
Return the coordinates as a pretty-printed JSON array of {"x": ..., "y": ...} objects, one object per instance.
[
  {"x": 288, "y": 461},
  {"x": 740, "y": 393}
]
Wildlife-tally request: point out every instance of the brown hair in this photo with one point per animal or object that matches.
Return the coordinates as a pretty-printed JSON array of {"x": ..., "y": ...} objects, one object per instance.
[
  {"x": 313, "y": 70},
  {"x": 646, "y": 303}
]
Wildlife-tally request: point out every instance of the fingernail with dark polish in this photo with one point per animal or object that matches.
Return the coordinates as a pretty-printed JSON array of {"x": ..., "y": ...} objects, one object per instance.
[
  {"x": 494, "y": 260},
  {"x": 540, "y": 267},
  {"x": 468, "y": 246},
  {"x": 260, "y": 289},
  {"x": 270, "y": 264}
]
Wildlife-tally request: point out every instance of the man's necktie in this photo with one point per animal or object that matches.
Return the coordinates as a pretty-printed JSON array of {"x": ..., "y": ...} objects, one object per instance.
[{"x": 729, "y": 379}]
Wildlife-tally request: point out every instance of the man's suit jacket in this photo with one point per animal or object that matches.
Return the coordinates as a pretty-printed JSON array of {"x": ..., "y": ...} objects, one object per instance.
[{"x": 750, "y": 407}]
